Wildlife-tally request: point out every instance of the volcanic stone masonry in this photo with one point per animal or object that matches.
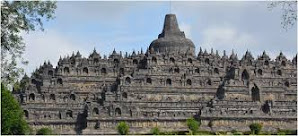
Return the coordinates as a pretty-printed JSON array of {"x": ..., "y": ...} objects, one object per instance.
[{"x": 162, "y": 87}]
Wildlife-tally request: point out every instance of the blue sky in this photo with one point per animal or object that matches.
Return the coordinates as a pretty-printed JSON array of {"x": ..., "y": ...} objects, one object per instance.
[{"x": 128, "y": 26}]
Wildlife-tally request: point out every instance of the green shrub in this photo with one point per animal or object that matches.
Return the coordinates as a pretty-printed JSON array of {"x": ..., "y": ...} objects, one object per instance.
[
  {"x": 235, "y": 132},
  {"x": 246, "y": 132},
  {"x": 192, "y": 125},
  {"x": 220, "y": 133},
  {"x": 255, "y": 128},
  {"x": 44, "y": 131},
  {"x": 155, "y": 131},
  {"x": 123, "y": 128},
  {"x": 12, "y": 115},
  {"x": 286, "y": 132},
  {"x": 188, "y": 133},
  {"x": 281, "y": 133}
]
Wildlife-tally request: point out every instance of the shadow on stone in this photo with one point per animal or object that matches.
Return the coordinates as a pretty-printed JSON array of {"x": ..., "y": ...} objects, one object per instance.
[
  {"x": 81, "y": 122},
  {"x": 220, "y": 94}
]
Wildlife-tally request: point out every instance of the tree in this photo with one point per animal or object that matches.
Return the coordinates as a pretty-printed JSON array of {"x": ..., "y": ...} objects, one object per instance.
[
  {"x": 123, "y": 128},
  {"x": 255, "y": 128},
  {"x": 289, "y": 12},
  {"x": 24, "y": 82},
  {"x": 17, "y": 17},
  {"x": 44, "y": 131},
  {"x": 16, "y": 87},
  {"x": 155, "y": 131},
  {"x": 192, "y": 125},
  {"x": 12, "y": 116}
]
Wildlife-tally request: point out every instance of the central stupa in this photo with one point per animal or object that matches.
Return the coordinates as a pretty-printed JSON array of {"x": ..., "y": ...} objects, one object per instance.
[{"x": 172, "y": 40}]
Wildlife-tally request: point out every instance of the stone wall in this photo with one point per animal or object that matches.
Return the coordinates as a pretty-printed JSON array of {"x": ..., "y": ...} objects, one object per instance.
[{"x": 164, "y": 88}]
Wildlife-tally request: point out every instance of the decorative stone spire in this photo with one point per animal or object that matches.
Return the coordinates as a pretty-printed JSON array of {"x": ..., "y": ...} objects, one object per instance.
[
  {"x": 205, "y": 53},
  {"x": 59, "y": 61},
  {"x": 224, "y": 55},
  {"x": 200, "y": 52},
  {"x": 265, "y": 56},
  {"x": 94, "y": 54},
  {"x": 233, "y": 56},
  {"x": 114, "y": 52},
  {"x": 171, "y": 28},
  {"x": 281, "y": 57},
  {"x": 94, "y": 50},
  {"x": 172, "y": 39},
  {"x": 78, "y": 54},
  {"x": 217, "y": 54},
  {"x": 49, "y": 63},
  {"x": 25, "y": 77},
  {"x": 247, "y": 56},
  {"x": 212, "y": 53},
  {"x": 133, "y": 53}
]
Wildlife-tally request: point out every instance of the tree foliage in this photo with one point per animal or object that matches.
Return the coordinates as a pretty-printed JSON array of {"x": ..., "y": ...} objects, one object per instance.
[
  {"x": 289, "y": 12},
  {"x": 193, "y": 125},
  {"x": 16, "y": 87},
  {"x": 44, "y": 131},
  {"x": 286, "y": 132},
  {"x": 255, "y": 128},
  {"x": 19, "y": 87},
  {"x": 12, "y": 116},
  {"x": 18, "y": 17},
  {"x": 123, "y": 128},
  {"x": 155, "y": 131}
]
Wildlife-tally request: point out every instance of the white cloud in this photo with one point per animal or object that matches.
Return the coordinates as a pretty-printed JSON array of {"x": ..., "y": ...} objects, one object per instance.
[
  {"x": 49, "y": 45},
  {"x": 186, "y": 28},
  {"x": 227, "y": 38}
]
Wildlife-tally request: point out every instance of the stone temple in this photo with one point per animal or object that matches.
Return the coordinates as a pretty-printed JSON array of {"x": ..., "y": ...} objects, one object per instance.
[{"x": 163, "y": 87}]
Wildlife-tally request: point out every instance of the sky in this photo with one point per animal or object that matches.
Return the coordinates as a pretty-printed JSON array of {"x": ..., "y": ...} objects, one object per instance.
[{"x": 127, "y": 26}]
